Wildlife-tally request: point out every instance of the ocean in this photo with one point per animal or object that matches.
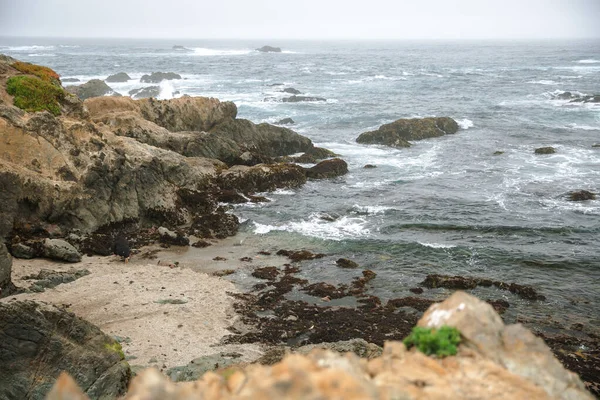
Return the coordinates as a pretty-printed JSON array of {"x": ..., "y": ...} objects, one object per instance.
[{"x": 447, "y": 205}]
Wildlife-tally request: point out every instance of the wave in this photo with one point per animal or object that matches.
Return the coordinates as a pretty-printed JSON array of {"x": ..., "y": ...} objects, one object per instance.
[
  {"x": 375, "y": 78},
  {"x": 545, "y": 82},
  {"x": 315, "y": 226},
  {"x": 465, "y": 123},
  {"x": 583, "y": 127},
  {"x": 28, "y": 48},
  {"x": 589, "y": 61},
  {"x": 201, "y": 51},
  {"x": 371, "y": 209},
  {"x": 437, "y": 245},
  {"x": 41, "y": 55}
]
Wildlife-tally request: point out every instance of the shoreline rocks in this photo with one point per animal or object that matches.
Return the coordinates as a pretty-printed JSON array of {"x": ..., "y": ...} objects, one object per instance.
[
  {"x": 157, "y": 77},
  {"x": 400, "y": 132}
]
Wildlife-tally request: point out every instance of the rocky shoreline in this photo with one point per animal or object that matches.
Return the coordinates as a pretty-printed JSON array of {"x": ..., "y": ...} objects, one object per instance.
[{"x": 164, "y": 174}]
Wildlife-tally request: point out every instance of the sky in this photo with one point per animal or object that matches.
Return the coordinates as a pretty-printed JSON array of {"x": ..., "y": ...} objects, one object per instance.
[{"x": 302, "y": 19}]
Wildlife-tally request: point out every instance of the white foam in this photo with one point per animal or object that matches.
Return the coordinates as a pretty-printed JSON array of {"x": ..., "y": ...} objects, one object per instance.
[
  {"x": 41, "y": 55},
  {"x": 201, "y": 51},
  {"x": 465, "y": 123},
  {"x": 342, "y": 228},
  {"x": 284, "y": 192},
  {"x": 371, "y": 209},
  {"x": 545, "y": 82},
  {"x": 29, "y": 48},
  {"x": 166, "y": 90},
  {"x": 583, "y": 127},
  {"x": 437, "y": 245},
  {"x": 588, "y": 61}
]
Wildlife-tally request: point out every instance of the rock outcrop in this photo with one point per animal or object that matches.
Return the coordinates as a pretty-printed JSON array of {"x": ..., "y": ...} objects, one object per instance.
[
  {"x": 493, "y": 361},
  {"x": 118, "y": 77},
  {"x": 328, "y": 169},
  {"x": 400, "y": 132},
  {"x": 145, "y": 93},
  {"x": 297, "y": 99},
  {"x": 157, "y": 77},
  {"x": 93, "y": 88},
  {"x": 581, "y": 195},
  {"x": 38, "y": 341},
  {"x": 269, "y": 49},
  {"x": 545, "y": 150}
]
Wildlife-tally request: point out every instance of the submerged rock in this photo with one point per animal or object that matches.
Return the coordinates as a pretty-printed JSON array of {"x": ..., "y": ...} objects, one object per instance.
[
  {"x": 269, "y": 49},
  {"x": 400, "y": 132},
  {"x": 157, "y": 77},
  {"x": 93, "y": 88},
  {"x": 38, "y": 341},
  {"x": 581, "y": 195},
  {"x": 119, "y": 77},
  {"x": 345, "y": 263},
  {"x": 545, "y": 150}
]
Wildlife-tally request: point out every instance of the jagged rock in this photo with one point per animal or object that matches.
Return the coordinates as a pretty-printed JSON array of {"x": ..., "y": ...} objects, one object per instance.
[
  {"x": 93, "y": 88},
  {"x": 545, "y": 150},
  {"x": 581, "y": 195},
  {"x": 285, "y": 121},
  {"x": 398, "y": 133},
  {"x": 20, "y": 250},
  {"x": 296, "y": 99},
  {"x": 61, "y": 250},
  {"x": 145, "y": 93},
  {"x": 157, "y": 77},
  {"x": 119, "y": 77},
  {"x": 262, "y": 178},
  {"x": 269, "y": 49},
  {"x": 38, "y": 341},
  {"x": 328, "y": 169},
  {"x": 291, "y": 90}
]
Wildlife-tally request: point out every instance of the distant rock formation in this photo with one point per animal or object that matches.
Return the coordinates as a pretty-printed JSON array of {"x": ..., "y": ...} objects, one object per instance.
[
  {"x": 578, "y": 97},
  {"x": 269, "y": 49},
  {"x": 93, "y": 88},
  {"x": 400, "y": 132},
  {"x": 119, "y": 77},
  {"x": 179, "y": 47},
  {"x": 285, "y": 121},
  {"x": 291, "y": 90},
  {"x": 296, "y": 99},
  {"x": 545, "y": 150},
  {"x": 157, "y": 77},
  {"x": 70, "y": 80},
  {"x": 145, "y": 93}
]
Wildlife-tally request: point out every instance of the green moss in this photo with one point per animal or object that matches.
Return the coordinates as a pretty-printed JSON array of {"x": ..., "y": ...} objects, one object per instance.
[
  {"x": 44, "y": 73},
  {"x": 115, "y": 347},
  {"x": 442, "y": 342},
  {"x": 34, "y": 94}
]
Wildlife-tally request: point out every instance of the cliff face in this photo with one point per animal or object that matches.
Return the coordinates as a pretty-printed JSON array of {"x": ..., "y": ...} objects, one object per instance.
[{"x": 494, "y": 361}]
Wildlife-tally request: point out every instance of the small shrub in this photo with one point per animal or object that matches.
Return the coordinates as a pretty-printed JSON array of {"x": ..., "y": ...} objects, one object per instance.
[
  {"x": 115, "y": 347},
  {"x": 44, "y": 73},
  {"x": 34, "y": 94},
  {"x": 442, "y": 342}
]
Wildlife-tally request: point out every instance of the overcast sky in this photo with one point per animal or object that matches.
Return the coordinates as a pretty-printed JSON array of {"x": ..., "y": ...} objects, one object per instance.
[{"x": 301, "y": 19}]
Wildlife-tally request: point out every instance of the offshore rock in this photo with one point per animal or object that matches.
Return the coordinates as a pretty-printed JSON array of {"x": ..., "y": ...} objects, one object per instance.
[
  {"x": 38, "y": 341},
  {"x": 157, "y": 77},
  {"x": 119, "y": 77},
  {"x": 545, "y": 150},
  {"x": 93, "y": 88},
  {"x": 581, "y": 195},
  {"x": 328, "y": 169},
  {"x": 400, "y": 132},
  {"x": 145, "y": 93},
  {"x": 297, "y": 99},
  {"x": 269, "y": 49}
]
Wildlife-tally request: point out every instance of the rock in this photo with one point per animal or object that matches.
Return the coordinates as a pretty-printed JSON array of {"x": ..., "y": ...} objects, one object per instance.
[
  {"x": 359, "y": 347},
  {"x": 47, "y": 279},
  {"x": 597, "y": 145},
  {"x": 416, "y": 290},
  {"x": 464, "y": 282},
  {"x": 93, "y": 88},
  {"x": 400, "y": 132},
  {"x": 512, "y": 347},
  {"x": 262, "y": 178},
  {"x": 328, "y": 169},
  {"x": 269, "y": 49},
  {"x": 545, "y": 150},
  {"x": 157, "y": 77},
  {"x": 217, "y": 225},
  {"x": 296, "y": 99},
  {"x": 369, "y": 166},
  {"x": 300, "y": 255},
  {"x": 275, "y": 84},
  {"x": 61, "y": 250},
  {"x": 69, "y": 80},
  {"x": 179, "y": 47},
  {"x": 291, "y": 90},
  {"x": 38, "y": 341},
  {"x": 581, "y": 195},
  {"x": 498, "y": 153},
  {"x": 20, "y": 250},
  {"x": 199, "y": 366},
  {"x": 119, "y": 77},
  {"x": 6, "y": 286},
  {"x": 285, "y": 121},
  {"x": 345, "y": 263},
  {"x": 201, "y": 244},
  {"x": 172, "y": 238},
  {"x": 145, "y": 93}
]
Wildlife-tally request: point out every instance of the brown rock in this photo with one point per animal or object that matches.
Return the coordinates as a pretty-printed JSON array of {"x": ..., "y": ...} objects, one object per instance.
[
  {"x": 398, "y": 133},
  {"x": 328, "y": 169}
]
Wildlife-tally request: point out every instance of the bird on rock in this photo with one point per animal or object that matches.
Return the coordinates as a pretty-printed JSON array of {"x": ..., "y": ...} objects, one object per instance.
[{"x": 121, "y": 247}]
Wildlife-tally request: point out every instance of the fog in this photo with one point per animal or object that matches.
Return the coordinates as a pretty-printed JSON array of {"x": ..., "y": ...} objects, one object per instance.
[{"x": 303, "y": 19}]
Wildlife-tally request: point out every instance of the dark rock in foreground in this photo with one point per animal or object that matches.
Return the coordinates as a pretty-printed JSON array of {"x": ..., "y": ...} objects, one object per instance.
[
  {"x": 119, "y": 77},
  {"x": 328, "y": 169},
  {"x": 398, "y": 133},
  {"x": 545, "y": 150},
  {"x": 269, "y": 49},
  {"x": 581, "y": 195},
  {"x": 145, "y": 93},
  {"x": 93, "y": 88},
  {"x": 157, "y": 77},
  {"x": 38, "y": 341}
]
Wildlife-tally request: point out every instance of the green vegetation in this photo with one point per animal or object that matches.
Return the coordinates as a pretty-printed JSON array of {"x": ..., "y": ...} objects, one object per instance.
[
  {"x": 442, "y": 342},
  {"x": 115, "y": 347},
  {"x": 44, "y": 73},
  {"x": 34, "y": 94}
]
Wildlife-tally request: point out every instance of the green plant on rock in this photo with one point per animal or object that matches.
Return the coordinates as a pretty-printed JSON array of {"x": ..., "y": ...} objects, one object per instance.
[
  {"x": 439, "y": 341},
  {"x": 115, "y": 347},
  {"x": 34, "y": 94},
  {"x": 44, "y": 73}
]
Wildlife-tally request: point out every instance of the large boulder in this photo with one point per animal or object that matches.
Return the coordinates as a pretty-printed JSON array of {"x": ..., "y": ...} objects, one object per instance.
[
  {"x": 145, "y": 93},
  {"x": 61, "y": 250},
  {"x": 157, "y": 77},
  {"x": 93, "y": 88},
  {"x": 328, "y": 169},
  {"x": 38, "y": 341},
  {"x": 400, "y": 132},
  {"x": 269, "y": 49},
  {"x": 119, "y": 77}
]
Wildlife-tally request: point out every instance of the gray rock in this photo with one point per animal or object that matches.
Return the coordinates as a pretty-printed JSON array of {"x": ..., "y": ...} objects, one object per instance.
[
  {"x": 327, "y": 169},
  {"x": 285, "y": 121},
  {"x": 93, "y": 88},
  {"x": 21, "y": 250},
  {"x": 581, "y": 195},
  {"x": 269, "y": 49},
  {"x": 157, "y": 77},
  {"x": 47, "y": 279},
  {"x": 297, "y": 99},
  {"x": 38, "y": 341},
  {"x": 399, "y": 132},
  {"x": 545, "y": 150},
  {"x": 291, "y": 90},
  {"x": 119, "y": 77},
  {"x": 198, "y": 366},
  {"x": 179, "y": 47},
  {"x": 68, "y": 80},
  {"x": 145, "y": 93},
  {"x": 61, "y": 250}
]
